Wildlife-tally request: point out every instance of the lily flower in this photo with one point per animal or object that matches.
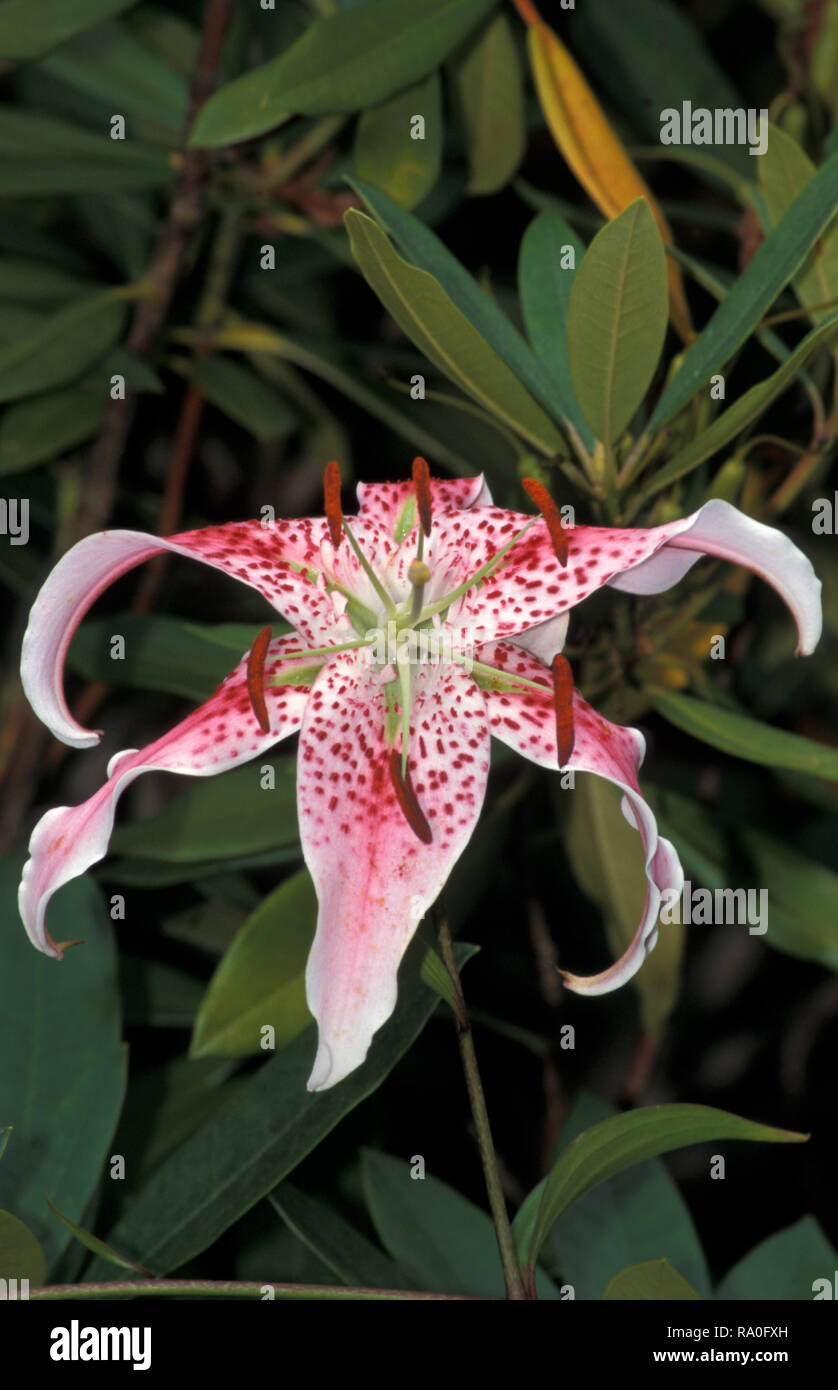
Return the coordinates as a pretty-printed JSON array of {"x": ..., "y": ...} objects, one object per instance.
[{"x": 393, "y": 752}]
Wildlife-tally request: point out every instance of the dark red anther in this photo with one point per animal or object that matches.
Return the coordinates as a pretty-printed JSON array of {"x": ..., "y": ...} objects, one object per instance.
[
  {"x": 407, "y": 799},
  {"x": 422, "y": 485},
  {"x": 563, "y": 705},
  {"x": 256, "y": 679},
  {"x": 331, "y": 498},
  {"x": 551, "y": 514}
]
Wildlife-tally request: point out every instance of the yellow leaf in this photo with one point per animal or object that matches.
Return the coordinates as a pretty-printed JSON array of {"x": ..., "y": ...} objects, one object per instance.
[{"x": 592, "y": 149}]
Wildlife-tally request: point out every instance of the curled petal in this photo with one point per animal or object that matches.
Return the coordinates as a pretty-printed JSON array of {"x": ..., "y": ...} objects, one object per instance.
[
  {"x": 526, "y": 721},
  {"x": 218, "y": 735},
  {"x": 374, "y": 876}
]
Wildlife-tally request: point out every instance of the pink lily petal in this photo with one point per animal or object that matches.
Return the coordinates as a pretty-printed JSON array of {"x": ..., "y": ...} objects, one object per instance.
[
  {"x": 220, "y": 734},
  {"x": 525, "y": 720},
  {"x": 384, "y": 502},
  {"x": 268, "y": 559},
  {"x": 531, "y": 586},
  {"x": 375, "y": 879}
]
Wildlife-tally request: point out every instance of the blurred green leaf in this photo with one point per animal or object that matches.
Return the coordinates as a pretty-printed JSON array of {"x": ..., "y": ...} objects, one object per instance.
[
  {"x": 784, "y": 1267},
  {"x": 63, "y": 1074},
  {"x": 654, "y": 1279},
  {"x": 745, "y": 738},
  {"x": 350, "y": 1256},
  {"x": 606, "y": 855},
  {"x": 490, "y": 88},
  {"x": 776, "y": 261},
  {"x": 618, "y": 1143},
  {"x": 161, "y": 653},
  {"x": 45, "y": 426},
  {"x": 261, "y": 978},
  {"x": 343, "y": 62},
  {"x": 385, "y": 152},
  {"x": 218, "y": 818},
  {"x": 802, "y": 915},
  {"x": 617, "y": 320},
  {"x": 39, "y": 282},
  {"x": 21, "y": 1254},
  {"x": 29, "y": 28},
  {"x": 440, "y": 1239},
  {"x": 433, "y": 322},
  {"x": 261, "y": 1127},
  {"x": 784, "y": 171},
  {"x": 109, "y": 64},
  {"x": 61, "y": 348},
  {"x": 40, "y": 155},
  {"x": 242, "y": 395},
  {"x": 545, "y": 301},
  {"x": 743, "y": 412},
  {"x": 156, "y": 994},
  {"x": 425, "y": 250}
]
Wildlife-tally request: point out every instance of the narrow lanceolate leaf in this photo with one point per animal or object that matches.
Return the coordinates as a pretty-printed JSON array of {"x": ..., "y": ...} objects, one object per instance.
[
  {"x": 777, "y": 260},
  {"x": 618, "y": 1143},
  {"x": 591, "y": 148},
  {"x": 425, "y": 250},
  {"x": 784, "y": 171},
  {"x": 746, "y": 738},
  {"x": 344, "y": 62},
  {"x": 41, "y": 155},
  {"x": 617, "y": 320},
  {"x": 45, "y": 426},
  {"x": 653, "y": 1279},
  {"x": 29, "y": 28},
  {"x": 433, "y": 322},
  {"x": 490, "y": 90},
  {"x": 60, "y": 348},
  {"x": 551, "y": 254},
  {"x": 92, "y": 1243},
  {"x": 743, "y": 411},
  {"x": 392, "y": 152}
]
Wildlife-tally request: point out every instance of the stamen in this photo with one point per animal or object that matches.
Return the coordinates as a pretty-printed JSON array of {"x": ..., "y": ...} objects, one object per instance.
[
  {"x": 331, "y": 500},
  {"x": 551, "y": 514},
  {"x": 422, "y": 484},
  {"x": 563, "y": 704},
  {"x": 256, "y": 679},
  {"x": 419, "y": 575},
  {"x": 407, "y": 799}
]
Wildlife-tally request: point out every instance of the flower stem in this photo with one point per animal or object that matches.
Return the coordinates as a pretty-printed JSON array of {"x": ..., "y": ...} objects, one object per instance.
[
  {"x": 228, "y": 1288},
  {"x": 503, "y": 1231}
]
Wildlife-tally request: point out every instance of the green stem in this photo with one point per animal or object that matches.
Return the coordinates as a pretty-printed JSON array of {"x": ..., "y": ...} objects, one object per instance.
[
  {"x": 503, "y": 1231},
  {"x": 229, "y": 1288}
]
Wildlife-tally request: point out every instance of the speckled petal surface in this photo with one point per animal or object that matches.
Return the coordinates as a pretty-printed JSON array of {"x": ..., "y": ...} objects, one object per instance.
[
  {"x": 385, "y": 502},
  {"x": 375, "y": 879},
  {"x": 220, "y": 734}
]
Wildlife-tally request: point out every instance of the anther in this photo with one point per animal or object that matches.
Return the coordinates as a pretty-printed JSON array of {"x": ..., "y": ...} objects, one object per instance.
[
  {"x": 331, "y": 498},
  {"x": 563, "y": 705},
  {"x": 407, "y": 799},
  {"x": 256, "y": 679},
  {"x": 422, "y": 487},
  {"x": 551, "y": 514}
]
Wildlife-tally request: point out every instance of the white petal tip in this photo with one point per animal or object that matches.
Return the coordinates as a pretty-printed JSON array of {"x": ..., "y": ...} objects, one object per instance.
[{"x": 322, "y": 1069}]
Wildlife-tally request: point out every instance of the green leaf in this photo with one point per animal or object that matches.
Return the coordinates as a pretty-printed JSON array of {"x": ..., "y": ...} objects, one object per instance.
[
  {"x": 91, "y": 1242},
  {"x": 654, "y": 1279},
  {"x": 344, "y": 62},
  {"x": 490, "y": 89},
  {"x": 4, "y": 1138},
  {"x": 785, "y": 1266},
  {"x": 385, "y": 153},
  {"x": 746, "y": 738},
  {"x": 433, "y": 322},
  {"x": 802, "y": 915},
  {"x": 636, "y": 1215},
  {"x": 40, "y": 155},
  {"x": 44, "y": 427},
  {"x": 440, "y": 1239},
  {"x": 261, "y": 1127},
  {"x": 425, "y": 250},
  {"x": 743, "y": 412},
  {"x": 111, "y": 66},
  {"x": 29, "y": 28},
  {"x": 261, "y": 978},
  {"x": 776, "y": 261},
  {"x": 161, "y": 653},
  {"x": 545, "y": 301},
  {"x": 63, "y": 1074},
  {"x": 218, "y": 818},
  {"x": 606, "y": 855},
  {"x": 784, "y": 171},
  {"x": 61, "y": 348},
  {"x": 349, "y": 1255},
  {"x": 617, "y": 320},
  {"x": 618, "y": 1143},
  {"x": 242, "y": 395},
  {"x": 21, "y": 1253},
  {"x": 39, "y": 282}
]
